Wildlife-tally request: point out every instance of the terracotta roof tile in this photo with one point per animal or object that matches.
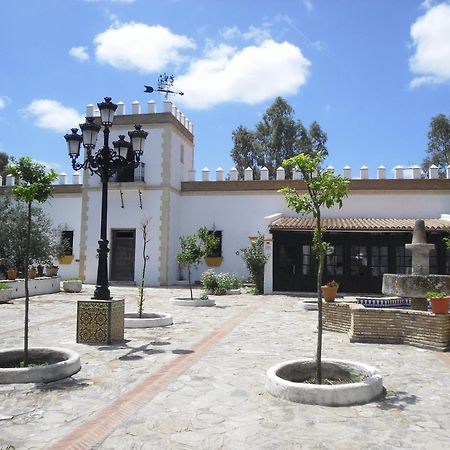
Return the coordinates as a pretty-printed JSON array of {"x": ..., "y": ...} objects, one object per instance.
[{"x": 356, "y": 224}]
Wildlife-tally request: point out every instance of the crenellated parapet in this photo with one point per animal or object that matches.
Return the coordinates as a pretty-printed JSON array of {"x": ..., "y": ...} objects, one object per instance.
[
  {"x": 168, "y": 107},
  {"x": 399, "y": 173}
]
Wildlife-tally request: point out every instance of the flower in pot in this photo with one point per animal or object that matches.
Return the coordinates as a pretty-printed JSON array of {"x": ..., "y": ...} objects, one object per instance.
[
  {"x": 329, "y": 290},
  {"x": 32, "y": 272},
  {"x": 11, "y": 273},
  {"x": 439, "y": 301},
  {"x": 5, "y": 292}
]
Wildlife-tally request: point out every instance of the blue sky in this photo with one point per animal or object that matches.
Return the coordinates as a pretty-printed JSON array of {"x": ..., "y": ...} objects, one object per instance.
[{"x": 371, "y": 72}]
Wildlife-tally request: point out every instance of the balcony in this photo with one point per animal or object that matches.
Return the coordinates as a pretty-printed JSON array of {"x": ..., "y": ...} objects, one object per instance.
[{"x": 130, "y": 175}]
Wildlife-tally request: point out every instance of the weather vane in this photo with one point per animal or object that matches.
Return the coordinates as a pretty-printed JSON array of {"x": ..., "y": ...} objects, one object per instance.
[{"x": 165, "y": 83}]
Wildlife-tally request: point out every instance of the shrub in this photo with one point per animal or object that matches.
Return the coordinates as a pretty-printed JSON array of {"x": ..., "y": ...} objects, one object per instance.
[
  {"x": 218, "y": 284},
  {"x": 5, "y": 286},
  {"x": 255, "y": 259}
]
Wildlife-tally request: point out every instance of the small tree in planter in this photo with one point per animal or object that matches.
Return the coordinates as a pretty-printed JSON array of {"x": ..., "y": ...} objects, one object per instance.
[
  {"x": 324, "y": 189},
  {"x": 35, "y": 185},
  {"x": 145, "y": 241},
  {"x": 195, "y": 247},
  {"x": 255, "y": 259}
]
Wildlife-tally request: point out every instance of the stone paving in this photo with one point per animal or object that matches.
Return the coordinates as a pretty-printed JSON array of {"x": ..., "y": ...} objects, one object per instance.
[{"x": 199, "y": 384}]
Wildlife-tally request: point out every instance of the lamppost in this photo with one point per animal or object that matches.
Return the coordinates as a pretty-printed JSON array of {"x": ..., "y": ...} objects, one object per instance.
[{"x": 105, "y": 162}]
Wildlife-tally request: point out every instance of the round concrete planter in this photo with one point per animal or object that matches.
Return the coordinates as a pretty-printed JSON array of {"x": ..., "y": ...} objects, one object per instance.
[
  {"x": 72, "y": 286},
  {"x": 5, "y": 295},
  {"x": 148, "y": 320},
  {"x": 187, "y": 301},
  {"x": 62, "y": 363},
  {"x": 284, "y": 381},
  {"x": 309, "y": 305}
]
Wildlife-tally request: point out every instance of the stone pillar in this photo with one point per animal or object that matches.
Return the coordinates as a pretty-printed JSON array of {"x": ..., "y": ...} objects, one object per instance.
[
  {"x": 347, "y": 172},
  {"x": 381, "y": 173},
  {"x": 120, "y": 111},
  {"x": 135, "y": 107},
  {"x": 248, "y": 174},
  {"x": 233, "y": 174},
  {"x": 219, "y": 174},
  {"x": 281, "y": 173},
  {"x": 205, "y": 174},
  {"x": 264, "y": 174}
]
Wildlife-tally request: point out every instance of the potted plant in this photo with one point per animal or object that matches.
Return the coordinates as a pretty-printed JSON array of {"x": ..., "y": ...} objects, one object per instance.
[
  {"x": 32, "y": 272},
  {"x": 51, "y": 270},
  {"x": 11, "y": 273},
  {"x": 5, "y": 292},
  {"x": 329, "y": 290},
  {"x": 73, "y": 284},
  {"x": 439, "y": 302}
]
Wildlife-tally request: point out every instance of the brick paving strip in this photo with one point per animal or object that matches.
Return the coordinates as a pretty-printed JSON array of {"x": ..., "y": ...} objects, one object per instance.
[{"x": 96, "y": 429}]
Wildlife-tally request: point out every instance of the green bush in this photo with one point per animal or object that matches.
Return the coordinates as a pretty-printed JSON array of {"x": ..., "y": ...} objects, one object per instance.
[
  {"x": 72, "y": 279},
  {"x": 219, "y": 283},
  {"x": 5, "y": 286}
]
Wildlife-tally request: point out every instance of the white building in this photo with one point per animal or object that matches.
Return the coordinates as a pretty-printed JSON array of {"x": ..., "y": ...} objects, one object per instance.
[{"x": 368, "y": 233}]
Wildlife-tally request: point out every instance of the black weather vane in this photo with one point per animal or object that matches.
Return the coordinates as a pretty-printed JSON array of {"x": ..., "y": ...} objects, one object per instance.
[{"x": 165, "y": 83}]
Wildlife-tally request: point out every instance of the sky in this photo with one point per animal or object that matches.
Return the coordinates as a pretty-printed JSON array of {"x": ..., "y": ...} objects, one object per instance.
[{"x": 372, "y": 72}]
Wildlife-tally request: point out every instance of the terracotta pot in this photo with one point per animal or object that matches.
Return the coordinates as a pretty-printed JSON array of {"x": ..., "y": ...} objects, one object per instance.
[
  {"x": 329, "y": 293},
  {"x": 32, "y": 273},
  {"x": 11, "y": 274},
  {"x": 439, "y": 305}
]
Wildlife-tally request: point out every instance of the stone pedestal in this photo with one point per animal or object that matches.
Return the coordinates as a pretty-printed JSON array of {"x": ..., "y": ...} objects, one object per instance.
[{"x": 100, "y": 321}]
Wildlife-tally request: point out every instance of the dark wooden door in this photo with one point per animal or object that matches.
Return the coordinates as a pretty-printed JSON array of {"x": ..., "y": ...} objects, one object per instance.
[{"x": 123, "y": 255}]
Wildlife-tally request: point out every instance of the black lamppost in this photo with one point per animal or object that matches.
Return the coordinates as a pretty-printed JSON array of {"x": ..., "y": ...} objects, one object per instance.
[{"x": 105, "y": 162}]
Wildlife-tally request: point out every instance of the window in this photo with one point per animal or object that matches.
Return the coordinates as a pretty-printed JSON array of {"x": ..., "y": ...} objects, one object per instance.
[
  {"x": 403, "y": 259},
  {"x": 306, "y": 260},
  {"x": 216, "y": 252},
  {"x": 130, "y": 174},
  {"x": 380, "y": 260},
  {"x": 182, "y": 153},
  {"x": 67, "y": 238},
  {"x": 358, "y": 262},
  {"x": 335, "y": 260}
]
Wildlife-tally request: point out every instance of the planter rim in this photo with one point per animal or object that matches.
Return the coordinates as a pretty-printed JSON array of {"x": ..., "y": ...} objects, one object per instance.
[
  {"x": 327, "y": 395},
  {"x": 151, "y": 319},
  {"x": 68, "y": 366},
  {"x": 196, "y": 301}
]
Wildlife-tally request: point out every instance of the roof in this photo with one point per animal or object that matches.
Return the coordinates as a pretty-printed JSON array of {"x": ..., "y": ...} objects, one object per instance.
[{"x": 355, "y": 224}]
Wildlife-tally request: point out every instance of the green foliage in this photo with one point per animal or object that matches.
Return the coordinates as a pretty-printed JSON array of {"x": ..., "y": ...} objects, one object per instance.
[
  {"x": 72, "y": 279},
  {"x": 255, "y": 259},
  {"x": 5, "y": 286},
  {"x": 195, "y": 247},
  {"x": 323, "y": 190},
  {"x": 4, "y": 159},
  {"x": 438, "y": 149},
  {"x": 436, "y": 294},
  {"x": 35, "y": 182},
  {"x": 276, "y": 138},
  {"x": 35, "y": 185},
  {"x": 45, "y": 240},
  {"x": 219, "y": 283}
]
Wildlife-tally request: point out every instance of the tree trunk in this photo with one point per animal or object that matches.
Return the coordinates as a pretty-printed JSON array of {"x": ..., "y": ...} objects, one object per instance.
[
  {"x": 189, "y": 279},
  {"x": 319, "y": 303},
  {"x": 27, "y": 292}
]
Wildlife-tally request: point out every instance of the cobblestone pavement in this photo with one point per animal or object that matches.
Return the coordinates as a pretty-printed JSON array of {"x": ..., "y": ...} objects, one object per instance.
[{"x": 199, "y": 384}]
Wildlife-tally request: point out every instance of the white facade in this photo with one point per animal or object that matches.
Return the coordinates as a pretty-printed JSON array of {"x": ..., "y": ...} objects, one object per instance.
[{"x": 175, "y": 205}]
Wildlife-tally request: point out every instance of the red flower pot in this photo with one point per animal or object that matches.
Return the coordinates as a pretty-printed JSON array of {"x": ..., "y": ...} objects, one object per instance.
[{"x": 439, "y": 305}]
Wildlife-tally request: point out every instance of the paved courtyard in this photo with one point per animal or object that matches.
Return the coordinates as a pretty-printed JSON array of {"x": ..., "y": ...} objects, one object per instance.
[{"x": 199, "y": 384}]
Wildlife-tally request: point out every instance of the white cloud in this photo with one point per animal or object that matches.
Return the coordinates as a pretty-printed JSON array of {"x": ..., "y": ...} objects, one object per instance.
[
  {"x": 4, "y": 101},
  {"x": 431, "y": 37},
  {"x": 52, "y": 115},
  {"x": 136, "y": 46},
  {"x": 79, "y": 53},
  {"x": 250, "y": 75},
  {"x": 308, "y": 5},
  {"x": 427, "y": 4},
  {"x": 254, "y": 34}
]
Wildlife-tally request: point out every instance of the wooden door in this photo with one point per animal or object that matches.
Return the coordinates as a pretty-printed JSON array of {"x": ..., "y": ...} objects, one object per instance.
[{"x": 123, "y": 255}]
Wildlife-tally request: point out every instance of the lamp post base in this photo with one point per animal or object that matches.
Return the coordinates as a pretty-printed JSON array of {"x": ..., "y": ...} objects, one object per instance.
[{"x": 100, "y": 321}]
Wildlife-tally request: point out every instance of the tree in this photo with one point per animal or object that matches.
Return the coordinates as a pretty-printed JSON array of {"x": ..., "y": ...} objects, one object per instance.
[
  {"x": 323, "y": 190},
  {"x": 194, "y": 248},
  {"x": 438, "y": 144},
  {"x": 35, "y": 185},
  {"x": 4, "y": 159},
  {"x": 45, "y": 242},
  {"x": 255, "y": 259},
  {"x": 276, "y": 138},
  {"x": 145, "y": 241}
]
